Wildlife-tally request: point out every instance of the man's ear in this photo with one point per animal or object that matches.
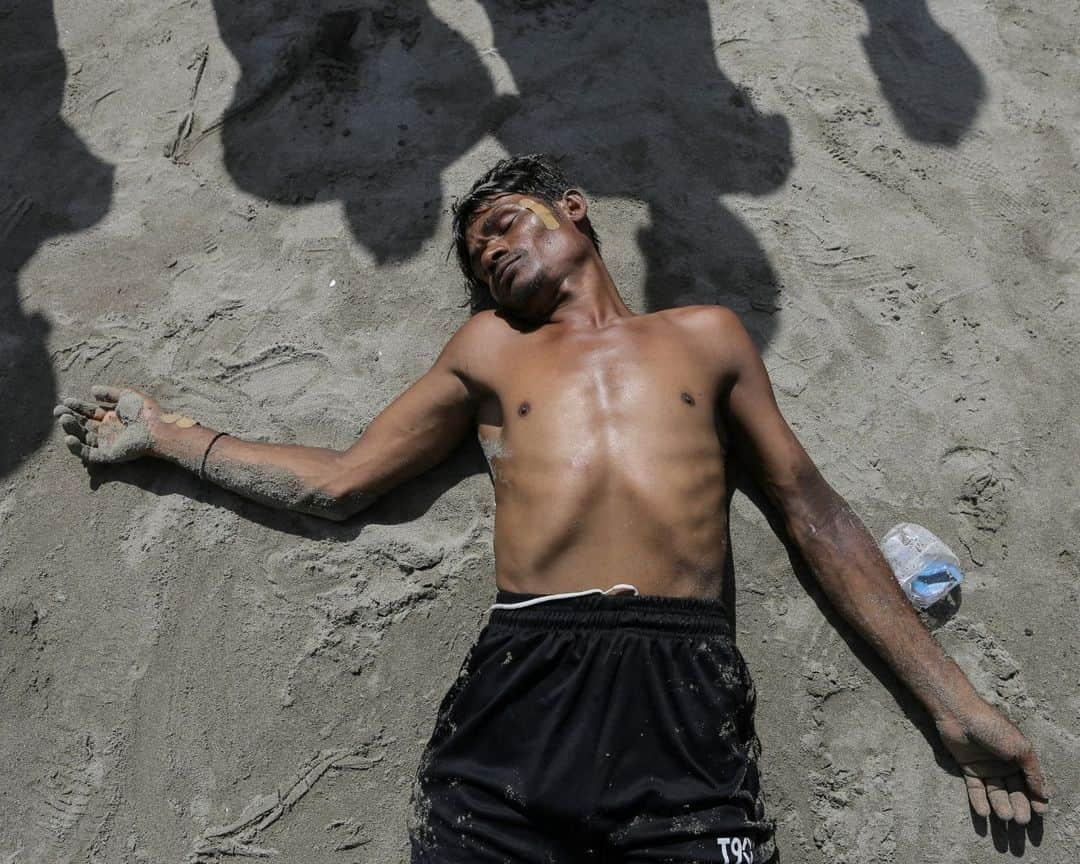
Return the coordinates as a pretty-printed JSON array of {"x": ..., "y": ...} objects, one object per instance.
[{"x": 574, "y": 206}]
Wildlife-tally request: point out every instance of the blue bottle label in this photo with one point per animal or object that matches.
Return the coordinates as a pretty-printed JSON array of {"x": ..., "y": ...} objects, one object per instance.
[{"x": 936, "y": 579}]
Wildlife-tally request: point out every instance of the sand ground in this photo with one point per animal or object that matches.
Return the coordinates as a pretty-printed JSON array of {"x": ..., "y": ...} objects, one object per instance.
[{"x": 243, "y": 208}]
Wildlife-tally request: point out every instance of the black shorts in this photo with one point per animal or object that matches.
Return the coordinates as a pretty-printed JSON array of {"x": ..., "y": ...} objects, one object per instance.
[{"x": 599, "y": 728}]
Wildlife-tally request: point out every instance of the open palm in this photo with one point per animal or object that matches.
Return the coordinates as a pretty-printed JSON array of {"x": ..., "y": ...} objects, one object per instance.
[{"x": 115, "y": 428}]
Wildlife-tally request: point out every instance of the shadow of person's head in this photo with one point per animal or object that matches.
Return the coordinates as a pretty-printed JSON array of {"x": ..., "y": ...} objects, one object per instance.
[{"x": 363, "y": 103}]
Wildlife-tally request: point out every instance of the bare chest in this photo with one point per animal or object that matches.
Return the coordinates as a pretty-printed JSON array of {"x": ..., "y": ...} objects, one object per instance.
[{"x": 625, "y": 400}]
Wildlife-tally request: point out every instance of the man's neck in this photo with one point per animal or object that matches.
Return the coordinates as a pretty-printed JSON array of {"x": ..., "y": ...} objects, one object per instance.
[{"x": 589, "y": 299}]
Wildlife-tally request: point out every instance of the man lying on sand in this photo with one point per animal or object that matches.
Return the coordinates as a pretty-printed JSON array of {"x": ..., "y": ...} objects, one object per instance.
[{"x": 604, "y": 710}]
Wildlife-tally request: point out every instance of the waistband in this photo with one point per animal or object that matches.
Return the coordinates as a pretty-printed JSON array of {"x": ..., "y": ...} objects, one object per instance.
[{"x": 685, "y": 615}]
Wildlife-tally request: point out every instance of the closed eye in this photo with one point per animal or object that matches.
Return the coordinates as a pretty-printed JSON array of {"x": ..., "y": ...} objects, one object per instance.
[
  {"x": 504, "y": 224},
  {"x": 497, "y": 224}
]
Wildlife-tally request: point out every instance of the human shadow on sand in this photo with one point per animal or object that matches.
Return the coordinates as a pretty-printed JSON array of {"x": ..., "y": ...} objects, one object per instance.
[
  {"x": 363, "y": 102},
  {"x": 370, "y": 103},
  {"x": 50, "y": 184},
  {"x": 931, "y": 84}
]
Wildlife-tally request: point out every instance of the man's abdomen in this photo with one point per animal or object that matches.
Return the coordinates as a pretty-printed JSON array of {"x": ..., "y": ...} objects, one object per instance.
[{"x": 650, "y": 512}]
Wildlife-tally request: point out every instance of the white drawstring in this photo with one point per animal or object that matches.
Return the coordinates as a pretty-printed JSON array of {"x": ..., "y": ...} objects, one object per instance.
[{"x": 521, "y": 604}]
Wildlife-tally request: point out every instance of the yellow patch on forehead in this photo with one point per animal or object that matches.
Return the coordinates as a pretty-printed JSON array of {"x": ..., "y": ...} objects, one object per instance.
[{"x": 545, "y": 214}]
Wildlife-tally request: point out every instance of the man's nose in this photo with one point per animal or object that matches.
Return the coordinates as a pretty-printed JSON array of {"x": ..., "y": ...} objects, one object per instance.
[{"x": 491, "y": 257}]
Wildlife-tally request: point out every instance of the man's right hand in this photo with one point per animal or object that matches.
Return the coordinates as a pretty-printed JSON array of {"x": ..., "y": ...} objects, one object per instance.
[
  {"x": 415, "y": 432},
  {"x": 118, "y": 427}
]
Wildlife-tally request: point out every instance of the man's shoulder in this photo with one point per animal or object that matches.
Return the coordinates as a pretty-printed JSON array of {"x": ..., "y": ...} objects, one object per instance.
[
  {"x": 480, "y": 327},
  {"x": 718, "y": 333},
  {"x": 711, "y": 326},
  {"x": 474, "y": 348},
  {"x": 705, "y": 317},
  {"x": 484, "y": 330}
]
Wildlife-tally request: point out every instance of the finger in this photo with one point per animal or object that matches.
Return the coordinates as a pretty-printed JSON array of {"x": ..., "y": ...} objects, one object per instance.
[
  {"x": 88, "y": 454},
  {"x": 1033, "y": 776},
  {"x": 999, "y": 798},
  {"x": 106, "y": 394},
  {"x": 77, "y": 447},
  {"x": 977, "y": 796},
  {"x": 73, "y": 426},
  {"x": 92, "y": 439},
  {"x": 1019, "y": 801},
  {"x": 87, "y": 409}
]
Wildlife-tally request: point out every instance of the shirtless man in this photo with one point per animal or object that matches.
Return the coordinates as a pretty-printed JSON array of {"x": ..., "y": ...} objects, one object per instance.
[{"x": 589, "y": 722}]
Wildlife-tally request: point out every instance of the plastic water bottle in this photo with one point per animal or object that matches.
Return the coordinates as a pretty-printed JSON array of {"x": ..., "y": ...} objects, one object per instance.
[{"x": 925, "y": 567}]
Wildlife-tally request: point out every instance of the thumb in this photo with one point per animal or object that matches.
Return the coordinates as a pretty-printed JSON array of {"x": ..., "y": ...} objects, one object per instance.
[
  {"x": 1033, "y": 776},
  {"x": 129, "y": 406}
]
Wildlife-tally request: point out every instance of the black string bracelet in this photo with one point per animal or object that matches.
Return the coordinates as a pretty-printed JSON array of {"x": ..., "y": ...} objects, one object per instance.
[{"x": 213, "y": 441}]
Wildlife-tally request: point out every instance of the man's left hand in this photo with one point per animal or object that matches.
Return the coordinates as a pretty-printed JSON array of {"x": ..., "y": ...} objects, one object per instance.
[{"x": 999, "y": 765}]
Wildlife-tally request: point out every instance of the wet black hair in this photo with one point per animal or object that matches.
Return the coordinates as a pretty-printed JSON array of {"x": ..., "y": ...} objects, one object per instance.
[{"x": 536, "y": 174}]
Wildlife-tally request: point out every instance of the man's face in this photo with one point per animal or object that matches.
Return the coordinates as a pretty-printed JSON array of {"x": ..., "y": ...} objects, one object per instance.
[{"x": 522, "y": 248}]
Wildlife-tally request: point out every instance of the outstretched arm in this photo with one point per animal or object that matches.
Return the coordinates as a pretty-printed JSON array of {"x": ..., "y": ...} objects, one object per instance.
[
  {"x": 1000, "y": 768},
  {"x": 415, "y": 432}
]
